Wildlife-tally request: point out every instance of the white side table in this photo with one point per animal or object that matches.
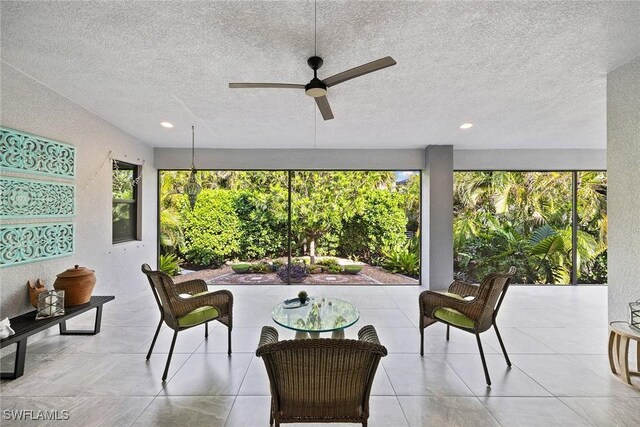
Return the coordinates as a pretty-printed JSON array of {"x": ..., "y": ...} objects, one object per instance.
[{"x": 620, "y": 333}]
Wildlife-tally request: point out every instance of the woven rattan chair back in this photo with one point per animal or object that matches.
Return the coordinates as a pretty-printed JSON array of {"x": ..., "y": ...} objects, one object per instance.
[
  {"x": 492, "y": 291},
  {"x": 321, "y": 380},
  {"x": 161, "y": 286}
]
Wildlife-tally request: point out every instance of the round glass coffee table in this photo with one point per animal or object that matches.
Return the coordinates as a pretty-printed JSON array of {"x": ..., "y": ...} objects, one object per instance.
[{"x": 318, "y": 314}]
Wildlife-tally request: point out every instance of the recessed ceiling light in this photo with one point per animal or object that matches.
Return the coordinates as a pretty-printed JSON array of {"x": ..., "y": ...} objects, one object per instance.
[
  {"x": 166, "y": 124},
  {"x": 466, "y": 126}
]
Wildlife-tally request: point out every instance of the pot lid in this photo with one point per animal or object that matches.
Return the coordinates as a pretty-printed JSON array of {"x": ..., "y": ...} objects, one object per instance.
[{"x": 76, "y": 271}]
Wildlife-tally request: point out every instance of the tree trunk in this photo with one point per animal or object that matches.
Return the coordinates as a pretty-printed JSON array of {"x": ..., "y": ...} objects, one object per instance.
[{"x": 312, "y": 250}]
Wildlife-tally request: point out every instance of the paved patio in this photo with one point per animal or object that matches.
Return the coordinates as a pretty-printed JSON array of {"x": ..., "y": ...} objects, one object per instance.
[{"x": 556, "y": 337}]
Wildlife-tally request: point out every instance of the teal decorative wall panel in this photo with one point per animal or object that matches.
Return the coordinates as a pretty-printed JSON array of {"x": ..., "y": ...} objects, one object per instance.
[
  {"x": 26, "y": 198},
  {"x": 23, "y": 152},
  {"x": 20, "y": 244}
]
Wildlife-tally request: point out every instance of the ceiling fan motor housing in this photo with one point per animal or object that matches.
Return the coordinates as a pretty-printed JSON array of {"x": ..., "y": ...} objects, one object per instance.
[{"x": 316, "y": 88}]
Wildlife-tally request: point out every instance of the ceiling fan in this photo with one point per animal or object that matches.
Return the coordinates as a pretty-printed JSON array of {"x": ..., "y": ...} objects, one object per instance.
[{"x": 317, "y": 88}]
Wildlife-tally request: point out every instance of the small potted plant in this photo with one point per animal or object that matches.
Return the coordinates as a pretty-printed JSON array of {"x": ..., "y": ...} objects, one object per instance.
[{"x": 303, "y": 296}]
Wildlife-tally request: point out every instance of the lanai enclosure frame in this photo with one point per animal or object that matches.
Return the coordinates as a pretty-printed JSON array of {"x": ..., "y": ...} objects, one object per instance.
[{"x": 436, "y": 163}]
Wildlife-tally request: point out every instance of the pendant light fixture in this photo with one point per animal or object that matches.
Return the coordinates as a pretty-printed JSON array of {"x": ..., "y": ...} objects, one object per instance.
[{"x": 192, "y": 188}]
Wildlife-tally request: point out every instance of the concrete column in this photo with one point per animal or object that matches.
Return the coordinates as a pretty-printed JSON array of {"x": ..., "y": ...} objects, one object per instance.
[
  {"x": 623, "y": 193},
  {"x": 437, "y": 217}
]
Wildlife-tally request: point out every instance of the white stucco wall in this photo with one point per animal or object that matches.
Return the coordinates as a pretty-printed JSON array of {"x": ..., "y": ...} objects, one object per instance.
[
  {"x": 623, "y": 158},
  {"x": 32, "y": 107}
]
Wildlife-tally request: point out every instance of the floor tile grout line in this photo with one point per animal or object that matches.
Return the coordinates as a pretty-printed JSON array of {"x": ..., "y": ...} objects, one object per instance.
[
  {"x": 244, "y": 377},
  {"x": 536, "y": 339},
  {"x": 404, "y": 414},
  {"x": 489, "y": 411},
  {"x": 226, "y": 420},
  {"x": 407, "y": 317},
  {"x": 534, "y": 380},
  {"x": 575, "y": 412},
  {"x": 178, "y": 369},
  {"x": 143, "y": 411}
]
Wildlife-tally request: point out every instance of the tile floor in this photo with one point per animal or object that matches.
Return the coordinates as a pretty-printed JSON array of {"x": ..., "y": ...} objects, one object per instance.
[{"x": 556, "y": 336}]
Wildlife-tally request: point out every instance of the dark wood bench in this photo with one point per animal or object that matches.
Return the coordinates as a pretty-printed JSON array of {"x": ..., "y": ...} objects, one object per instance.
[{"x": 26, "y": 325}]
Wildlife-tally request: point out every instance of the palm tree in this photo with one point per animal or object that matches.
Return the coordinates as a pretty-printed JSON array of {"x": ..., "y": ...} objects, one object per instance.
[{"x": 524, "y": 219}]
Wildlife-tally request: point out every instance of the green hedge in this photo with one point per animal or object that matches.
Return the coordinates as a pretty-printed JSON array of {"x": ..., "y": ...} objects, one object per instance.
[
  {"x": 212, "y": 231},
  {"x": 379, "y": 227},
  {"x": 250, "y": 225},
  {"x": 263, "y": 226}
]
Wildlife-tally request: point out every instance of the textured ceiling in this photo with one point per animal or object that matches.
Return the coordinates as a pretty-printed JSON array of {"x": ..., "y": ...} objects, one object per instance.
[{"x": 528, "y": 74}]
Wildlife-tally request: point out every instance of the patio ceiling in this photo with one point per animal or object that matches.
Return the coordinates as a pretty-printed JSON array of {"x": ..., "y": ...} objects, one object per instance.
[{"x": 528, "y": 74}]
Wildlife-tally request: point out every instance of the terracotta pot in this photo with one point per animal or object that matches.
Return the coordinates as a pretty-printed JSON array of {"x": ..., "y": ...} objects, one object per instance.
[{"x": 77, "y": 284}]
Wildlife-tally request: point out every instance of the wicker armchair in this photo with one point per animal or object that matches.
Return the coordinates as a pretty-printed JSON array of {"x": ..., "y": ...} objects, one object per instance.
[
  {"x": 320, "y": 380},
  {"x": 471, "y": 308},
  {"x": 185, "y": 305}
]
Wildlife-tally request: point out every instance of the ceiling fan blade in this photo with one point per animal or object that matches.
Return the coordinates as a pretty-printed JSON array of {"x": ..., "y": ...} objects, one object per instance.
[
  {"x": 360, "y": 71},
  {"x": 265, "y": 86},
  {"x": 323, "y": 105}
]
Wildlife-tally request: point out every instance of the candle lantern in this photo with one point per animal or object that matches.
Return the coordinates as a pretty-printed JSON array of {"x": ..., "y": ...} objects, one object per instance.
[
  {"x": 634, "y": 321},
  {"x": 50, "y": 304}
]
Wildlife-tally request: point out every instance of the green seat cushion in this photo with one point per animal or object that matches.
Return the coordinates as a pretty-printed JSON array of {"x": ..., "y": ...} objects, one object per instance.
[
  {"x": 198, "y": 316},
  {"x": 454, "y": 317}
]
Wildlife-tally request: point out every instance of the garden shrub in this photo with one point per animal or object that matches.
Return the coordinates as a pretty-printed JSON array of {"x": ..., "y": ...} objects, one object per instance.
[
  {"x": 276, "y": 264},
  {"x": 378, "y": 228},
  {"x": 328, "y": 262},
  {"x": 169, "y": 264},
  {"x": 314, "y": 268},
  {"x": 404, "y": 259},
  {"x": 212, "y": 229},
  {"x": 261, "y": 268},
  {"x": 263, "y": 226}
]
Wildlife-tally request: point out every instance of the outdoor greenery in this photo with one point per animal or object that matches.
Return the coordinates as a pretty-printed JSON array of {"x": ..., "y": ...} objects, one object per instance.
[
  {"x": 403, "y": 258},
  {"x": 500, "y": 219},
  {"x": 524, "y": 219},
  {"x": 243, "y": 215},
  {"x": 168, "y": 264},
  {"x": 212, "y": 230}
]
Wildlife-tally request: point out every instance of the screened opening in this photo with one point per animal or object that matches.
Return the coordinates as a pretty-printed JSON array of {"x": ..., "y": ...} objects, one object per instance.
[
  {"x": 552, "y": 226},
  {"x": 274, "y": 227}
]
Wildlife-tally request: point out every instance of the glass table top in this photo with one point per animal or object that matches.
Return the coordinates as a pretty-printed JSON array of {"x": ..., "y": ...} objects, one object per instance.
[{"x": 319, "y": 314}]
